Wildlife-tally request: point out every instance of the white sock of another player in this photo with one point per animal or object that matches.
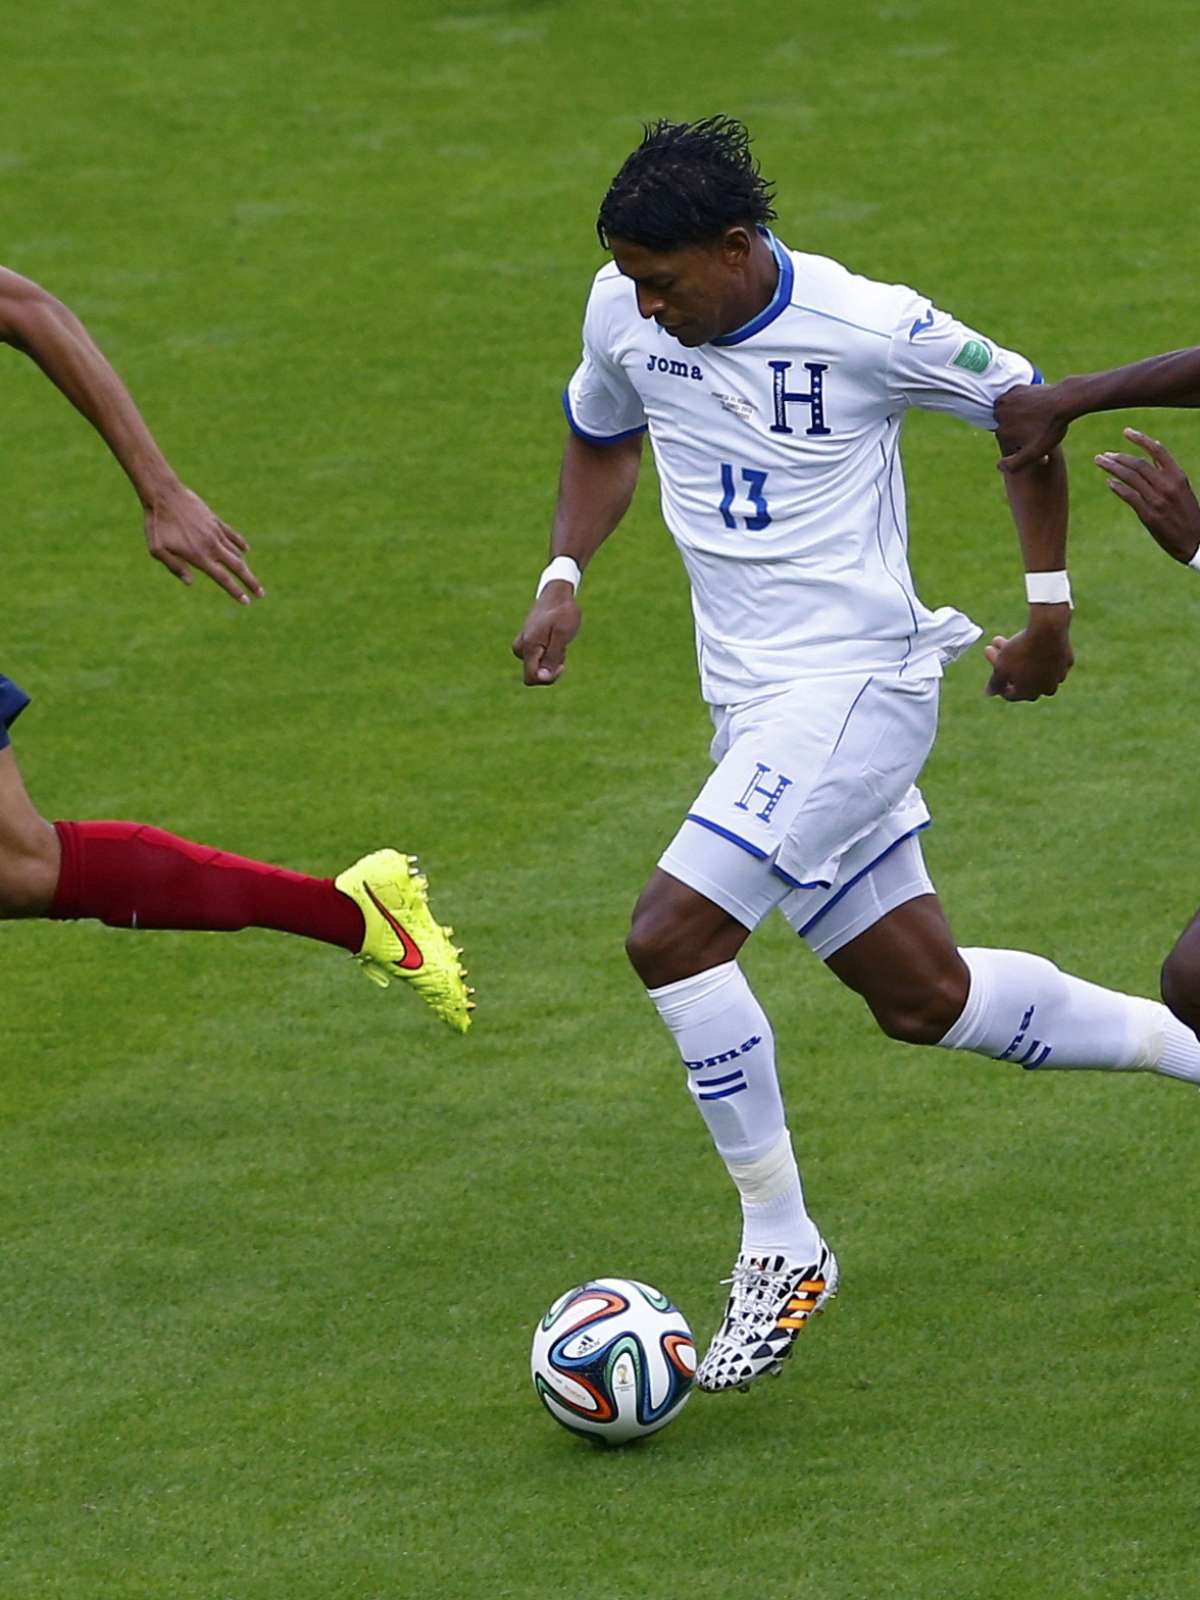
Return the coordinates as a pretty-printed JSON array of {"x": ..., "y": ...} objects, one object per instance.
[
  {"x": 1021, "y": 1008},
  {"x": 729, "y": 1051}
]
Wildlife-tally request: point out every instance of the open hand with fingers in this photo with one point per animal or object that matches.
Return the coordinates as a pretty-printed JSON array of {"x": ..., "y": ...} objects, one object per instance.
[
  {"x": 1159, "y": 492},
  {"x": 183, "y": 533}
]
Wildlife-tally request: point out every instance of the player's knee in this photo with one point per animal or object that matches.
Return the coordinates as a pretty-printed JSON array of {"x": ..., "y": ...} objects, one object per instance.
[
  {"x": 1179, "y": 982},
  {"x": 664, "y": 944},
  {"x": 651, "y": 945},
  {"x": 28, "y": 876},
  {"x": 923, "y": 1014}
]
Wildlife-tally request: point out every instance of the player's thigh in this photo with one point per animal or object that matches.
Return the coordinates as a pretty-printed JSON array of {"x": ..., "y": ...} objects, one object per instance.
[{"x": 885, "y": 935}]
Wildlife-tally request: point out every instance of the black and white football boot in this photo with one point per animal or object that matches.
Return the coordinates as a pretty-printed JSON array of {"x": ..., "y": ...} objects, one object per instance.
[{"x": 771, "y": 1301}]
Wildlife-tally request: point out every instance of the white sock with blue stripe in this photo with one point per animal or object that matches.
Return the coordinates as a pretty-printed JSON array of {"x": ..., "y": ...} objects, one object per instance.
[
  {"x": 729, "y": 1051},
  {"x": 1022, "y": 1009}
]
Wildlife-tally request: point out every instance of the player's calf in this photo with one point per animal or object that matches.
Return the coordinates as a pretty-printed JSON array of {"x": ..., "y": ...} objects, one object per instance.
[
  {"x": 1180, "y": 977},
  {"x": 921, "y": 1015},
  {"x": 909, "y": 970}
]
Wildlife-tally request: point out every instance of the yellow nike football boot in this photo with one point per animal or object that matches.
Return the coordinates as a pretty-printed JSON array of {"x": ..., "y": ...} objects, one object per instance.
[{"x": 401, "y": 938}]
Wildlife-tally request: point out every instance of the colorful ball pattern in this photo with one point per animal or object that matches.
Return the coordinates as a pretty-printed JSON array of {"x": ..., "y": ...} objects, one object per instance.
[{"x": 613, "y": 1359}]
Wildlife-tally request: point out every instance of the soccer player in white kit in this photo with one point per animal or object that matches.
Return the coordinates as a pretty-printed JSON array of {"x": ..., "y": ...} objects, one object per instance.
[{"x": 773, "y": 385}]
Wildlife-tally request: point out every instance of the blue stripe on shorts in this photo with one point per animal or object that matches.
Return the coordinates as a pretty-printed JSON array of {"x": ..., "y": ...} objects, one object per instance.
[{"x": 12, "y": 702}]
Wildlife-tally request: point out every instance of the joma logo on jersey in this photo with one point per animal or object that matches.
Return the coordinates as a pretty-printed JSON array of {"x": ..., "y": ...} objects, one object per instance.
[{"x": 673, "y": 369}]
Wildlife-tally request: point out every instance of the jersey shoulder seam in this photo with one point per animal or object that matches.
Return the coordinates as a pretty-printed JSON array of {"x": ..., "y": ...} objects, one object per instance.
[{"x": 830, "y": 316}]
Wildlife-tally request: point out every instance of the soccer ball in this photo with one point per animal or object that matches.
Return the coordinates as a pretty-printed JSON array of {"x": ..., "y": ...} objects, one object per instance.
[{"x": 613, "y": 1359}]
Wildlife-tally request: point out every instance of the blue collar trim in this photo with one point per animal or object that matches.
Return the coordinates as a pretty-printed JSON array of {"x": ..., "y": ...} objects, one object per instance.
[{"x": 779, "y": 300}]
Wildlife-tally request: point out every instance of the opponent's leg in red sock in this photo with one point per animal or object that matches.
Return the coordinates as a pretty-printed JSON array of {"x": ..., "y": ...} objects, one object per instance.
[{"x": 130, "y": 875}]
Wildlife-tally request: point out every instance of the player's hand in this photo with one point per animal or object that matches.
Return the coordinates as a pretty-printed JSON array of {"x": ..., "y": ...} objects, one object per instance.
[
  {"x": 1030, "y": 424},
  {"x": 183, "y": 534},
  {"x": 549, "y": 628},
  {"x": 1159, "y": 492},
  {"x": 1035, "y": 661}
]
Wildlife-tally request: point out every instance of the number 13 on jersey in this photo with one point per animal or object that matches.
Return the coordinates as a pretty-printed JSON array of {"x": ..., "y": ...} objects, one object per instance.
[{"x": 755, "y": 482}]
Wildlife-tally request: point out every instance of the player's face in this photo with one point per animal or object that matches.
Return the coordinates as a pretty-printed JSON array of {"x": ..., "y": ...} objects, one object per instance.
[{"x": 696, "y": 293}]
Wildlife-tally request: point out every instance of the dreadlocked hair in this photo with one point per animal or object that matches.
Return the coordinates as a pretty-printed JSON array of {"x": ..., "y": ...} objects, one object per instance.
[{"x": 685, "y": 184}]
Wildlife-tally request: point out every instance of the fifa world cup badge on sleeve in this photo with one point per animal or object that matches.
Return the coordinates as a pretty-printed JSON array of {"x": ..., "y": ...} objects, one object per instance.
[{"x": 974, "y": 356}]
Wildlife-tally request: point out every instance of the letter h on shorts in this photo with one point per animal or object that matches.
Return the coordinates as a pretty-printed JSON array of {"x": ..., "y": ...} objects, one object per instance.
[{"x": 771, "y": 796}]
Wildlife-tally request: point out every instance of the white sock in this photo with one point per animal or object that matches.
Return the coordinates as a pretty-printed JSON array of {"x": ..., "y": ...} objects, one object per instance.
[
  {"x": 729, "y": 1051},
  {"x": 1021, "y": 1008},
  {"x": 1179, "y": 1056},
  {"x": 772, "y": 1198}
]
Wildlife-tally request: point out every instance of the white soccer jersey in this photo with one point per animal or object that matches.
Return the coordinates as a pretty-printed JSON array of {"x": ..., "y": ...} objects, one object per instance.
[{"x": 777, "y": 449}]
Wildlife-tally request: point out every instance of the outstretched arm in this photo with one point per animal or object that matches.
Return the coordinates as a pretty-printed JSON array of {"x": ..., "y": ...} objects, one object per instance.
[
  {"x": 181, "y": 531},
  {"x": 1035, "y": 661},
  {"x": 594, "y": 491},
  {"x": 1034, "y": 418}
]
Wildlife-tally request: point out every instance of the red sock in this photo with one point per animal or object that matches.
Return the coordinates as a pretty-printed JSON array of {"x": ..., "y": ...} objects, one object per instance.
[{"x": 133, "y": 876}]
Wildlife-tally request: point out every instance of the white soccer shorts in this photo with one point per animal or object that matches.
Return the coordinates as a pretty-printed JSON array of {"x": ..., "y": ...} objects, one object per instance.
[{"x": 813, "y": 807}]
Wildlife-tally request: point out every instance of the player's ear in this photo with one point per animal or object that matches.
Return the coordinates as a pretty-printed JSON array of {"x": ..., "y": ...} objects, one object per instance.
[{"x": 735, "y": 246}]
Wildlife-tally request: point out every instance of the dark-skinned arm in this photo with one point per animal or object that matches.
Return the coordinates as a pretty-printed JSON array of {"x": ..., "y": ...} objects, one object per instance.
[
  {"x": 595, "y": 488},
  {"x": 1034, "y": 418},
  {"x": 181, "y": 531},
  {"x": 1035, "y": 661}
]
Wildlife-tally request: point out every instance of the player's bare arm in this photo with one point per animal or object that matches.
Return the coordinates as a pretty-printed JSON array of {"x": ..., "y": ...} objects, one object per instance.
[
  {"x": 1035, "y": 661},
  {"x": 1035, "y": 418},
  {"x": 181, "y": 531},
  {"x": 595, "y": 488},
  {"x": 1159, "y": 493}
]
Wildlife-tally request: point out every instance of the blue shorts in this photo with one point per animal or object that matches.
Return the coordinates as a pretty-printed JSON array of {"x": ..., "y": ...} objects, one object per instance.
[{"x": 12, "y": 702}]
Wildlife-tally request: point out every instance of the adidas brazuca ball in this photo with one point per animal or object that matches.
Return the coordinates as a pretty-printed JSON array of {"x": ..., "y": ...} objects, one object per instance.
[{"x": 613, "y": 1360}]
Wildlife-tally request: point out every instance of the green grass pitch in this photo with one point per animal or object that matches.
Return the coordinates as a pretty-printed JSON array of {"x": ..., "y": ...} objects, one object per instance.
[{"x": 273, "y": 1244}]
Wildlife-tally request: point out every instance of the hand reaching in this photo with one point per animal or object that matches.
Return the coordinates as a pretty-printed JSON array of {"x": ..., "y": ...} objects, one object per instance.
[
  {"x": 1159, "y": 492},
  {"x": 183, "y": 534}
]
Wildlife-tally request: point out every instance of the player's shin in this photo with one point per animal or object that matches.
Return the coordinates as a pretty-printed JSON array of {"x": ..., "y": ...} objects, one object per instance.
[
  {"x": 132, "y": 875},
  {"x": 1022, "y": 1008},
  {"x": 729, "y": 1052}
]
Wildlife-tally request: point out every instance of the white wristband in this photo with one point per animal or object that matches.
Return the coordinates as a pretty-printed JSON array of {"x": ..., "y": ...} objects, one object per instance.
[
  {"x": 1195, "y": 561},
  {"x": 1047, "y": 588},
  {"x": 563, "y": 569}
]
